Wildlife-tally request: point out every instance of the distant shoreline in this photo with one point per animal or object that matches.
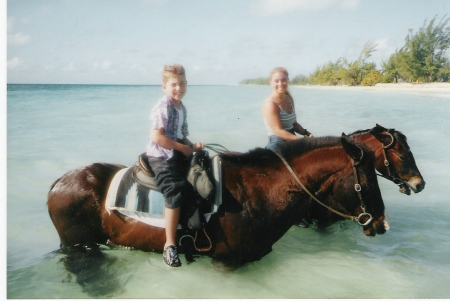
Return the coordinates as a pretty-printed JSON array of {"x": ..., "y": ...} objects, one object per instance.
[{"x": 403, "y": 87}]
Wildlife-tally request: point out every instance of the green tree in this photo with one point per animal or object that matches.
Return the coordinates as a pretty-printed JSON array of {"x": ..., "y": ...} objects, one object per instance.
[
  {"x": 390, "y": 69},
  {"x": 255, "y": 81},
  {"x": 423, "y": 56},
  {"x": 300, "y": 80},
  {"x": 373, "y": 78},
  {"x": 328, "y": 74},
  {"x": 344, "y": 72}
]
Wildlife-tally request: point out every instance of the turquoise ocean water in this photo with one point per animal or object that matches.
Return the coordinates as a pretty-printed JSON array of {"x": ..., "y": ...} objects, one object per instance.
[{"x": 55, "y": 128}]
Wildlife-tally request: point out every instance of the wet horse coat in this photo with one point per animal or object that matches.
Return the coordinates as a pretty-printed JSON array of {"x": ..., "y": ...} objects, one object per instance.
[{"x": 261, "y": 200}]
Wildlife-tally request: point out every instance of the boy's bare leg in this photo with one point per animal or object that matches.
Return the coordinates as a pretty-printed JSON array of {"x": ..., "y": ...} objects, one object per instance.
[{"x": 172, "y": 217}]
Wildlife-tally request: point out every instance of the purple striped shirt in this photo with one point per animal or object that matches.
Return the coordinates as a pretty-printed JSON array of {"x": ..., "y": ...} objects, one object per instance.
[{"x": 165, "y": 116}]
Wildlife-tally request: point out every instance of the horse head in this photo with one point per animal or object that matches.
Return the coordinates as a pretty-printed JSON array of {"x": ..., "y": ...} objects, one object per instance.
[
  {"x": 396, "y": 160},
  {"x": 357, "y": 189}
]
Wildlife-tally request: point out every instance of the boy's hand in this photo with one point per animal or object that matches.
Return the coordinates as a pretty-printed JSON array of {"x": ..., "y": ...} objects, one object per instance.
[
  {"x": 198, "y": 146},
  {"x": 187, "y": 151}
]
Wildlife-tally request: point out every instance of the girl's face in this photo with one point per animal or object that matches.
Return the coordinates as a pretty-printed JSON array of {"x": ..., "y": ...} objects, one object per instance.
[
  {"x": 175, "y": 87},
  {"x": 279, "y": 82}
]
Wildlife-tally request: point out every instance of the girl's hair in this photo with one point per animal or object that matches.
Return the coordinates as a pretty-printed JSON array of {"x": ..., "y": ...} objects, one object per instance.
[
  {"x": 280, "y": 69},
  {"x": 172, "y": 70}
]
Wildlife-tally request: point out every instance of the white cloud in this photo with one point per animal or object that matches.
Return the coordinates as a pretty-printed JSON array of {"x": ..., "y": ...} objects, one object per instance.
[
  {"x": 18, "y": 39},
  {"x": 102, "y": 65},
  {"x": 106, "y": 64},
  {"x": 384, "y": 50},
  {"x": 15, "y": 64},
  {"x": 273, "y": 7},
  {"x": 70, "y": 67}
]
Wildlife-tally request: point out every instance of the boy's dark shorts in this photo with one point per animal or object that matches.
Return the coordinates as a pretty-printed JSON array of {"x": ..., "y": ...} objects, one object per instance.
[{"x": 170, "y": 176}]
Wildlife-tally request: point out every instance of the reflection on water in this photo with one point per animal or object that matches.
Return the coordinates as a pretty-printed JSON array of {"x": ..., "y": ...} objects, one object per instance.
[{"x": 95, "y": 271}]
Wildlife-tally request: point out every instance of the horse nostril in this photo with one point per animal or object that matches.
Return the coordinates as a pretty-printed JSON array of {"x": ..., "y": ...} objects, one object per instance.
[{"x": 421, "y": 186}]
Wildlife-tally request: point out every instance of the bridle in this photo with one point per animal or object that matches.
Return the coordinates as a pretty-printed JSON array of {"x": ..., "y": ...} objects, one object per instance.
[
  {"x": 390, "y": 177},
  {"x": 357, "y": 189}
]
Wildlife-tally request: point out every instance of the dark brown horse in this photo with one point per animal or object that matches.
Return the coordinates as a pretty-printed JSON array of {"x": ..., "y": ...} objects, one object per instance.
[
  {"x": 394, "y": 159},
  {"x": 262, "y": 199}
]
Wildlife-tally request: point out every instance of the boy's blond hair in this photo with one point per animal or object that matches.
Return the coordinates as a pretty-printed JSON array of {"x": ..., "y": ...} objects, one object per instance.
[{"x": 173, "y": 70}]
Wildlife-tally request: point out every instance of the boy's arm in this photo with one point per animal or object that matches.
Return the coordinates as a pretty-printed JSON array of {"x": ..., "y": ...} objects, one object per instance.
[
  {"x": 196, "y": 146},
  {"x": 159, "y": 138}
]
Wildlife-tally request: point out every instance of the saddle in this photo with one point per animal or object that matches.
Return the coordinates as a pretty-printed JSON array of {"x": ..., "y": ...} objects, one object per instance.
[{"x": 200, "y": 174}]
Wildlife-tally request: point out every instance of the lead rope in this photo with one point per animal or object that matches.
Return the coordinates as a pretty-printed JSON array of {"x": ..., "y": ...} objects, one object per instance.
[{"x": 357, "y": 188}]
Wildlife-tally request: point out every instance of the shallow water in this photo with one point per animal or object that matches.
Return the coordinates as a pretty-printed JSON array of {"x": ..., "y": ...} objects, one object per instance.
[{"x": 55, "y": 128}]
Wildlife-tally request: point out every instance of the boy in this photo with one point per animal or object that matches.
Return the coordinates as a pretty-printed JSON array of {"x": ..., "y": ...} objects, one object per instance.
[{"x": 168, "y": 153}]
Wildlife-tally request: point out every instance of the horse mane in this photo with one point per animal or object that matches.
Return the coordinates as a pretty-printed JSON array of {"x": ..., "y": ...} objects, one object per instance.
[
  {"x": 262, "y": 157},
  {"x": 359, "y": 132},
  {"x": 397, "y": 134}
]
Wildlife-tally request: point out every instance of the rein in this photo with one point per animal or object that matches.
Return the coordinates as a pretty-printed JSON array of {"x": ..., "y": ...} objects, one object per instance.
[
  {"x": 220, "y": 149},
  {"x": 357, "y": 189}
]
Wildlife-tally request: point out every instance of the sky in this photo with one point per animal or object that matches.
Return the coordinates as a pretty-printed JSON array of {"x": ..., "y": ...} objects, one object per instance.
[{"x": 218, "y": 42}]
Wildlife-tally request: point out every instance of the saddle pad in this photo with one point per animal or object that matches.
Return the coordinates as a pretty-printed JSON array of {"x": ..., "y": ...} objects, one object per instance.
[
  {"x": 147, "y": 205},
  {"x": 135, "y": 201}
]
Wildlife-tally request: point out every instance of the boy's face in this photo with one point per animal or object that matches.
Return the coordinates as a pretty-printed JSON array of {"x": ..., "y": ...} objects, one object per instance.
[{"x": 175, "y": 87}]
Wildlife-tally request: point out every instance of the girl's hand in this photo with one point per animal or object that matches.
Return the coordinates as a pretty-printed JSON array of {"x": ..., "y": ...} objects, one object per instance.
[{"x": 198, "y": 146}]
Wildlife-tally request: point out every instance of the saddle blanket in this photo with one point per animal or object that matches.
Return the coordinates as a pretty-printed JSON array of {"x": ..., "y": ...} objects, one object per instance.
[{"x": 147, "y": 205}]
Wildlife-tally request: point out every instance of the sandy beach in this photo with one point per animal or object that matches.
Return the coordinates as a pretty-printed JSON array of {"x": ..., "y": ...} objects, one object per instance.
[{"x": 443, "y": 88}]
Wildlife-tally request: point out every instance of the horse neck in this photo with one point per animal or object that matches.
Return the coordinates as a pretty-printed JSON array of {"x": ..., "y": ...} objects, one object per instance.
[
  {"x": 321, "y": 167},
  {"x": 375, "y": 146},
  {"x": 274, "y": 193}
]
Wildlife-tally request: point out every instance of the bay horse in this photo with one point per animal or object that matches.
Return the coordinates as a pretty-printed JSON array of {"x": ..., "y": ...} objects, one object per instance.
[
  {"x": 262, "y": 198},
  {"x": 394, "y": 159}
]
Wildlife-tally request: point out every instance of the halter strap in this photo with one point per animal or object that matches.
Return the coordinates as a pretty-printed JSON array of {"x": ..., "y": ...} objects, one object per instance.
[{"x": 390, "y": 177}]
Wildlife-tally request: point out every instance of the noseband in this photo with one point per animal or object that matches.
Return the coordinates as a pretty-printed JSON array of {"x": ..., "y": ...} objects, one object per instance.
[{"x": 357, "y": 189}]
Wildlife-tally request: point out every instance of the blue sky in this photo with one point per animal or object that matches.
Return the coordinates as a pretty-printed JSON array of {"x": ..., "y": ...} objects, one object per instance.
[{"x": 218, "y": 42}]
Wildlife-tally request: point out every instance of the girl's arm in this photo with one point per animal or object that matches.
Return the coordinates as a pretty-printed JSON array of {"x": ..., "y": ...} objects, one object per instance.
[
  {"x": 297, "y": 127},
  {"x": 302, "y": 131}
]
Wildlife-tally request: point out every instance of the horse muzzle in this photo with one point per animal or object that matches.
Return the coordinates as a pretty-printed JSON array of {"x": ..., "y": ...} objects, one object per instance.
[
  {"x": 379, "y": 226},
  {"x": 417, "y": 184}
]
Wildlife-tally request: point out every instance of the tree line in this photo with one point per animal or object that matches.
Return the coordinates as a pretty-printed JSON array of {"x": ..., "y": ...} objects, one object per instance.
[{"x": 423, "y": 58}]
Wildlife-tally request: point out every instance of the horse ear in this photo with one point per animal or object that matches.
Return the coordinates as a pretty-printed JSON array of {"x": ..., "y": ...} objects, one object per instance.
[
  {"x": 378, "y": 130},
  {"x": 381, "y": 127},
  {"x": 379, "y": 133},
  {"x": 350, "y": 148}
]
